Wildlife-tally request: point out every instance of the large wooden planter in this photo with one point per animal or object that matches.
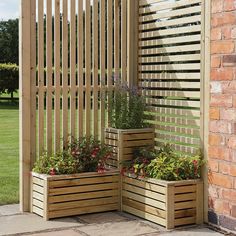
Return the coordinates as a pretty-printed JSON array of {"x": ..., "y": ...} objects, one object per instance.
[
  {"x": 67, "y": 195},
  {"x": 170, "y": 204},
  {"x": 124, "y": 141}
]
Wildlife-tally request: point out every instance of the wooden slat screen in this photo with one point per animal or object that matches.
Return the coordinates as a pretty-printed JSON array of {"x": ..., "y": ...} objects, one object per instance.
[
  {"x": 78, "y": 54},
  {"x": 170, "y": 69}
]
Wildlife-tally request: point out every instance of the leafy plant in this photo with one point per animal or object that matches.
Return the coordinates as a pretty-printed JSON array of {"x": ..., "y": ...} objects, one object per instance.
[
  {"x": 166, "y": 164},
  {"x": 82, "y": 155},
  {"x": 127, "y": 108}
]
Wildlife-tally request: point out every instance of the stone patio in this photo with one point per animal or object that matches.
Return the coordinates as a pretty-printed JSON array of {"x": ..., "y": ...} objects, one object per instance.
[{"x": 12, "y": 222}]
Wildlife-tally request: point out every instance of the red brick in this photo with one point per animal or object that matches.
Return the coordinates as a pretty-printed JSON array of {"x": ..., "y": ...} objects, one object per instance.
[
  {"x": 214, "y": 113},
  {"x": 218, "y": 47},
  {"x": 232, "y": 142},
  {"x": 213, "y": 191},
  {"x": 233, "y": 33},
  {"x": 216, "y": 34},
  {"x": 217, "y": 6},
  {"x": 224, "y": 167},
  {"x": 225, "y": 193},
  {"x": 221, "y": 180},
  {"x": 216, "y": 139},
  {"x": 221, "y": 153},
  {"x": 233, "y": 211},
  {"x": 221, "y": 19},
  {"x": 215, "y": 61},
  {"x": 221, "y": 100},
  {"x": 222, "y": 207},
  {"x": 213, "y": 165},
  {"x": 222, "y": 74},
  {"x": 232, "y": 170},
  {"x": 229, "y": 5},
  {"x": 228, "y": 87},
  {"x": 215, "y": 87},
  {"x": 226, "y": 32},
  {"x": 228, "y": 114},
  {"x": 229, "y": 60}
]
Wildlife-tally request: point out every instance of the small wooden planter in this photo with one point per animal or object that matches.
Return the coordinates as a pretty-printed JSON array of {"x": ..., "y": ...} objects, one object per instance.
[
  {"x": 67, "y": 195},
  {"x": 124, "y": 141},
  {"x": 170, "y": 204}
]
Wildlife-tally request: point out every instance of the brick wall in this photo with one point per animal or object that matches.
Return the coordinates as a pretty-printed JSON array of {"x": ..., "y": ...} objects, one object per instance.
[{"x": 222, "y": 137}]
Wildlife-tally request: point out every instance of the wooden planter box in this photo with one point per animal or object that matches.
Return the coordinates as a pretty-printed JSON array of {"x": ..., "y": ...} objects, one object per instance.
[
  {"x": 124, "y": 141},
  {"x": 170, "y": 204},
  {"x": 67, "y": 195}
]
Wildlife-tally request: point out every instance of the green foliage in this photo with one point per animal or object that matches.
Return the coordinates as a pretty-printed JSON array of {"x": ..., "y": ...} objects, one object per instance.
[
  {"x": 9, "y": 41},
  {"x": 166, "y": 164},
  {"x": 127, "y": 108},
  {"x": 82, "y": 155},
  {"x": 9, "y": 78}
]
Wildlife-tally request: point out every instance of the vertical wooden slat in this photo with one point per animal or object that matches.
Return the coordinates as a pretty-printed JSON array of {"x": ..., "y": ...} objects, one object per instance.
[
  {"x": 88, "y": 65},
  {"x": 49, "y": 75},
  {"x": 80, "y": 67},
  {"x": 124, "y": 40},
  {"x": 109, "y": 51},
  {"x": 116, "y": 39},
  {"x": 170, "y": 207},
  {"x": 25, "y": 100},
  {"x": 72, "y": 68},
  {"x": 57, "y": 76},
  {"x": 65, "y": 72},
  {"x": 41, "y": 76},
  {"x": 102, "y": 66},
  {"x": 95, "y": 68}
]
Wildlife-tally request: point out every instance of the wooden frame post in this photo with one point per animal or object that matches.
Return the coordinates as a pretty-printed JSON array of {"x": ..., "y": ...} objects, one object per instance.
[
  {"x": 132, "y": 45},
  {"x": 26, "y": 75}
]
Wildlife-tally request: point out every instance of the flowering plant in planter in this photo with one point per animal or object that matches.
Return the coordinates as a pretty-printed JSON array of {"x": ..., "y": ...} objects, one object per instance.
[
  {"x": 165, "y": 164},
  {"x": 82, "y": 155}
]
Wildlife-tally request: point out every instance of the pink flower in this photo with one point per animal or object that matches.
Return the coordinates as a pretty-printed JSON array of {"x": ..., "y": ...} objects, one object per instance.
[{"x": 52, "y": 171}]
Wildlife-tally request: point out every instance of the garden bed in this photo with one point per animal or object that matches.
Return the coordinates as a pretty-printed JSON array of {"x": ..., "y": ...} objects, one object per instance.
[
  {"x": 124, "y": 141},
  {"x": 168, "y": 203},
  {"x": 67, "y": 195}
]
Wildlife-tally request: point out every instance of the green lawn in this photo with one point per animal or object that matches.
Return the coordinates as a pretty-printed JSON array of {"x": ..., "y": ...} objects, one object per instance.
[{"x": 9, "y": 153}]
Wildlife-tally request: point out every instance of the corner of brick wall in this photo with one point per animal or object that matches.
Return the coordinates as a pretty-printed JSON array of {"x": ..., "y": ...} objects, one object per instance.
[{"x": 222, "y": 126}]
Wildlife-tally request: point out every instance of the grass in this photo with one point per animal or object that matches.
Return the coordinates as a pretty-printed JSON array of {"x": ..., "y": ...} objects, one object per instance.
[{"x": 9, "y": 153}]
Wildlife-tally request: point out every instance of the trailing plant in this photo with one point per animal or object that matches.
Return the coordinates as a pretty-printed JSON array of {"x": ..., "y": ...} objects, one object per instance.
[
  {"x": 127, "y": 107},
  {"x": 168, "y": 165},
  {"x": 82, "y": 155}
]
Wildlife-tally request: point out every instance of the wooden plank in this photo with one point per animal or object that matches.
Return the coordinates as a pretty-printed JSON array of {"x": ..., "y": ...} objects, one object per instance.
[
  {"x": 170, "y": 67},
  {"x": 173, "y": 40},
  {"x": 37, "y": 211},
  {"x": 83, "y": 210},
  {"x": 145, "y": 208},
  {"x": 116, "y": 40},
  {"x": 176, "y": 13},
  {"x": 38, "y": 188},
  {"x": 144, "y": 199},
  {"x": 80, "y": 36},
  {"x": 88, "y": 67},
  {"x": 38, "y": 203},
  {"x": 170, "y": 76},
  {"x": 185, "y": 213},
  {"x": 38, "y": 196},
  {"x": 199, "y": 203},
  {"x": 57, "y": 56},
  {"x": 169, "y": 84},
  {"x": 185, "y": 205},
  {"x": 138, "y": 143},
  {"x": 95, "y": 68},
  {"x": 49, "y": 75},
  {"x": 185, "y": 189},
  {"x": 80, "y": 196},
  {"x": 185, "y": 221},
  {"x": 170, "y": 201},
  {"x": 145, "y": 215},
  {"x": 72, "y": 67},
  {"x": 83, "y": 203},
  {"x": 65, "y": 72},
  {"x": 185, "y": 197},
  {"x": 174, "y": 93},
  {"x": 142, "y": 136},
  {"x": 124, "y": 40},
  {"x": 167, "y": 5},
  {"x": 37, "y": 181},
  {"x": 40, "y": 77},
  {"x": 102, "y": 66},
  {"x": 148, "y": 2},
  {"x": 170, "y": 32},
  {"x": 84, "y": 181},
  {"x": 145, "y": 185}
]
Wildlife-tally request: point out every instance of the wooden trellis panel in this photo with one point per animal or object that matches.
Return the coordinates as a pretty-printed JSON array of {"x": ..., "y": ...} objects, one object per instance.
[{"x": 170, "y": 69}]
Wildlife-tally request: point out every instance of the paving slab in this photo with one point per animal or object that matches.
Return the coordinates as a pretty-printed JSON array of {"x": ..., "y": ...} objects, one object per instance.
[
  {"x": 19, "y": 224},
  {"x": 127, "y": 228},
  {"x": 8, "y": 210},
  {"x": 69, "y": 232}
]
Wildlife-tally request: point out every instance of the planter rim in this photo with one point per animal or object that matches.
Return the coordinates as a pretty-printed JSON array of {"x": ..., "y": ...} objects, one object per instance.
[
  {"x": 71, "y": 176},
  {"x": 164, "y": 182},
  {"x": 130, "y": 130}
]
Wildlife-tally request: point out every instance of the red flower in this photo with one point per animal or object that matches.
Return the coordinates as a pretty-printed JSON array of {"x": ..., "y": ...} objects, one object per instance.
[{"x": 52, "y": 171}]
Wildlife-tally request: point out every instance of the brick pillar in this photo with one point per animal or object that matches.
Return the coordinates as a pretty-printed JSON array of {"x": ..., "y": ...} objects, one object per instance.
[{"x": 222, "y": 126}]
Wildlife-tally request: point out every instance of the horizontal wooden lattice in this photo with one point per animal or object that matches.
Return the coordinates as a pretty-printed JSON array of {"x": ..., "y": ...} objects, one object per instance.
[{"x": 170, "y": 69}]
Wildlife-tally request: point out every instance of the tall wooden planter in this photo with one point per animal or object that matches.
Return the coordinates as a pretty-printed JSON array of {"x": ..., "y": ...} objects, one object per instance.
[
  {"x": 168, "y": 203},
  {"x": 124, "y": 141},
  {"x": 67, "y": 195}
]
